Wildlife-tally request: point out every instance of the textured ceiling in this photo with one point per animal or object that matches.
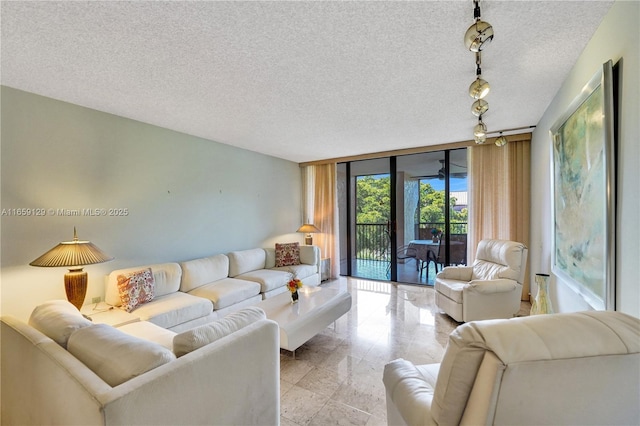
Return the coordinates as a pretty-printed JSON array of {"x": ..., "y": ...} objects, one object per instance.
[{"x": 301, "y": 81}]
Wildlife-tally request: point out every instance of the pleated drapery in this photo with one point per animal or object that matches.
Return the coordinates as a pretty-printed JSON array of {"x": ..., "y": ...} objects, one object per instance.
[
  {"x": 499, "y": 195},
  {"x": 320, "y": 204}
]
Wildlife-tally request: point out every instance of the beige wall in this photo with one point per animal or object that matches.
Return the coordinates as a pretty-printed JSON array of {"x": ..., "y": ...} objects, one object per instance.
[
  {"x": 618, "y": 39},
  {"x": 186, "y": 197}
]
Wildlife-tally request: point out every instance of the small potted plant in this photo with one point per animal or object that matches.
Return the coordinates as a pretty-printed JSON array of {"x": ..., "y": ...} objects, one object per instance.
[{"x": 435, "y": 234}]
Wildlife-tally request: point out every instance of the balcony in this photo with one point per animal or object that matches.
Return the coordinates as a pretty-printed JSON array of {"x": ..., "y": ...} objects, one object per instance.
[{"x": 373, "y": 252}]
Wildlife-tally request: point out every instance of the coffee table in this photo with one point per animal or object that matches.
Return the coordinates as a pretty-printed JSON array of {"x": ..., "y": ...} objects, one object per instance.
[{"x": 317, "y": 307}]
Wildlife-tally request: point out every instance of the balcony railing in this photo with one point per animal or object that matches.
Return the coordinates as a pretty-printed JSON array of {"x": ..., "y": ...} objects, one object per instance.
[{"x": 373, "y": 243}]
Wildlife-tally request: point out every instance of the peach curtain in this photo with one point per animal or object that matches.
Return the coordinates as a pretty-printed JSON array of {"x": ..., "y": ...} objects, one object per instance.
[
  {"x": 320, "y": 203},
  {"x": 499, "y": 195}
]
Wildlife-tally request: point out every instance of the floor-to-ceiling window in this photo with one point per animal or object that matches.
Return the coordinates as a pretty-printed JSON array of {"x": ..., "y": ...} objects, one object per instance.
[{"x": 403, "y": 218}]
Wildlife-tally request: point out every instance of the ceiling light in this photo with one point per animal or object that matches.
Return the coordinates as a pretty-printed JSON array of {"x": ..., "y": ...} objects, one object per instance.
[
  {"x": 479, "y": 107},
  {"x": 479, "y": 88},
  {"x": 480, "y": 132},
  {"x": 480, "y": 33},
  {"x": 501, "y": 140},
  {"x": 478, "y": 36}
]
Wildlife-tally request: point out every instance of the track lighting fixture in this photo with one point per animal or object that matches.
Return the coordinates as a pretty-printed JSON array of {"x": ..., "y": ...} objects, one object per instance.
[{"x": 477, "y": 37}]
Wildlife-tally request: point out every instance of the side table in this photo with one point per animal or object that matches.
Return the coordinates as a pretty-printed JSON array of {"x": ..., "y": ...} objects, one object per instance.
[
  {"x": 101, "y": 313},
  {"x": 325, "y": 269}
]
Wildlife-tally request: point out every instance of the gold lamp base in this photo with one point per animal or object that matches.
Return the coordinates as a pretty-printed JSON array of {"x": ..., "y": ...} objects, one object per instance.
[
  {"x": 308, "y": 240},
  {"x": 75, "y": 285}
]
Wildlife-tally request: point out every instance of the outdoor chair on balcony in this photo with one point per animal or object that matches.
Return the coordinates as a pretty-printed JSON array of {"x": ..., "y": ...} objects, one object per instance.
[
  {"x": 404, "y": 253},
  {"x": 457, "y": 252}
]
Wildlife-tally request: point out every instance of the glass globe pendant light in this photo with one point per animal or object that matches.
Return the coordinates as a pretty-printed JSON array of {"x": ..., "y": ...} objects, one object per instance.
[
  {"x": 479, "y": 88},
  {"x": 478, "y": 36},
  {"x": 480, "y": 33},
  {"x": 501, "y": 140},
  {"x": 480, "y": 132},
  {"x": 479, "y": 107}
]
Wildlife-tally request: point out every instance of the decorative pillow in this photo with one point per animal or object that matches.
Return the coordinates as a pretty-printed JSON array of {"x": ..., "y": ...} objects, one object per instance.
[
  {"x": 198, "y": 337},
  {"x": 287, "y": 254},
  {"x": 115, "y": 356},
  {"x": 136, "y": 288},
  {"x": 57, "y": 319}
]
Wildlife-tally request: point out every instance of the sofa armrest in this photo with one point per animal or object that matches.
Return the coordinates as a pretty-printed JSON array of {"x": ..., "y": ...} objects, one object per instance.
[
  {"x": 205, "y": 386},
  {"x": 458, "y": 273},
  {"x": 500, "y": 285},
  {"x": 310, "y": 255}
]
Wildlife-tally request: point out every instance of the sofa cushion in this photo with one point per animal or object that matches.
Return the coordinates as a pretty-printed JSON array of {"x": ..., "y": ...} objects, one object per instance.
[
  {"x": 115, "y": 356},
  {"x": 166, "y": 277},
  {"x": 227, "y": 292},
  {"x": 151, "y": 332},
  {"x": 198, "y": 272},
  {"x": 244, "y": 261},
  {"x": 269, "y": 279},
  {"x": 451, "y": 288},
  {"x": 287, "y": 254},
  {"x": 198, "y": 337},
  {"x": 57, "y": 319},
  {"x": 135, "y": 288},
  {"x": 174, "y": 309},
  {"x": 301, "y": 271}
]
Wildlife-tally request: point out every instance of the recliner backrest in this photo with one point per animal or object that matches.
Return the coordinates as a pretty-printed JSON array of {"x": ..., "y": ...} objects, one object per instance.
[
  {"x": 548, "y": 369},
  {"x": 500, "y": 259}
]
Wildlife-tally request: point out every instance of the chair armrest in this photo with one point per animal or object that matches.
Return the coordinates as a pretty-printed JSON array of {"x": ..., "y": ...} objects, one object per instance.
[
  {"x": 409, "y": 395},
  {"x": 459, "y": 273},
  {"x": 500, "y": 285}
]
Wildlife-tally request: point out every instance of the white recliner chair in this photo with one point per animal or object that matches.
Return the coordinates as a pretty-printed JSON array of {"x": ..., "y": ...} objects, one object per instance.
[
  {"x": 491, "y": 288},
  {"x": 561, "y": 369}
]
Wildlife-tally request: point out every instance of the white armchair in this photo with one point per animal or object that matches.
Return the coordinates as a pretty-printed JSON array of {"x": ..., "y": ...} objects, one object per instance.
[
  {"x": 562, "y": 369},
  {"x": 491, "y": 288}
]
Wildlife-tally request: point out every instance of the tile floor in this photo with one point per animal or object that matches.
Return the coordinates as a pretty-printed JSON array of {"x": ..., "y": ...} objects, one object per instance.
[{"x": 336, "y": 377}]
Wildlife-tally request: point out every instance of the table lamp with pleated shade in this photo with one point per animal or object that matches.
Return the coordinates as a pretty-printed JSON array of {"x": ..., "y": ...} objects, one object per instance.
[
  {"x": 308, "y": 229},
  {"x": 74, "y": 255}
]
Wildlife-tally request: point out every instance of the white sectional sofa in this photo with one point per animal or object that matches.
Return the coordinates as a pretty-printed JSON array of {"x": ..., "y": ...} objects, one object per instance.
[
  {"x": 195, "y": 292},
  {"x": 259, "y": 265},
  {"x": 63, "y": 369}
]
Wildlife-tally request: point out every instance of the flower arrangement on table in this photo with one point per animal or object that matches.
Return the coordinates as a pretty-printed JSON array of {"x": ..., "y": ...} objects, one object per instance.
[{"x": 293, "y": 285}]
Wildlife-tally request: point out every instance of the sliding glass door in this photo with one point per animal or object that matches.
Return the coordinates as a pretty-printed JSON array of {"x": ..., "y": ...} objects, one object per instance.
[{"x": 403, "y": 218}]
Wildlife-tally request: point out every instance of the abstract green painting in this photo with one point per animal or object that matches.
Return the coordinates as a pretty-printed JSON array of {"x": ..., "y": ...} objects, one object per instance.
[{"x": 582, "y": 168}]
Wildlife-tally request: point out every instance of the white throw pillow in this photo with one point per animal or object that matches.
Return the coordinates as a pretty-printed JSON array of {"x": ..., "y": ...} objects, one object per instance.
[
  {"x": 57, "y": 319},
  {"x": 198, "y": 337},
  {"x": 115, "y": 356}
]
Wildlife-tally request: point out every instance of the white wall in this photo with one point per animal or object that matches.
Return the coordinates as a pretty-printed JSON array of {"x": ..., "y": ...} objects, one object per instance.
[
  {"x": 186, "y": 197},
  {"x": 618, "y": 39}
]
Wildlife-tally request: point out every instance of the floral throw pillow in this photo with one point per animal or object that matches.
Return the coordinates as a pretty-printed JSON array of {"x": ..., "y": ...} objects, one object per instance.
[
  {"x": 136, "y": 288},
  {"x": 287, "y": 254}
]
